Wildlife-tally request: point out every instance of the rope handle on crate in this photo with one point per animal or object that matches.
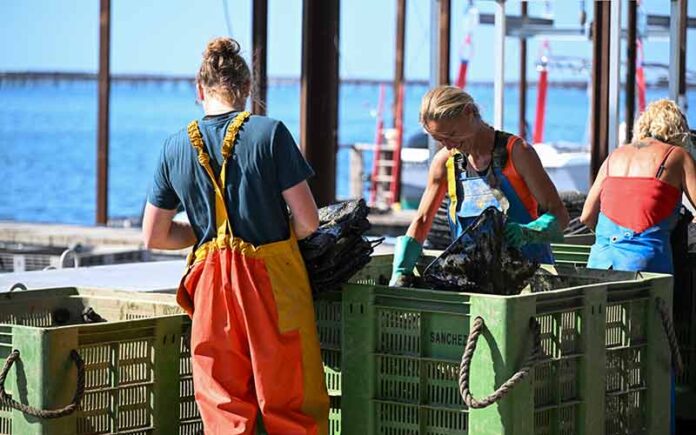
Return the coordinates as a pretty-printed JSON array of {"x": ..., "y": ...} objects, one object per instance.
[
  {"x": 668, "y": 326},
  {"x": 505, "y": 388},
  {"x": 44, "y": 413}
]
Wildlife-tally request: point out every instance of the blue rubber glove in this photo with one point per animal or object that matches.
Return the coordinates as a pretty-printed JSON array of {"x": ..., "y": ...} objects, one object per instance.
[
  {"x": 406, "y": 254},
  {"x": 544, "y": 229}
]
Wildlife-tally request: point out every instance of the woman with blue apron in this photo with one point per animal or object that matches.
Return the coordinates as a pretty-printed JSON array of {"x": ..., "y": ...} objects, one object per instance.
[
  {"x": 480, "y": 167},
  {"x": 634, "y": 202},
  {"x": 498, "y": 186}
]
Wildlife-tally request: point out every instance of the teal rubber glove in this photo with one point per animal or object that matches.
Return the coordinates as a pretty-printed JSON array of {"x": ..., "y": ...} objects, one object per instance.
[
  {"x": 513, "y": 234},
  {"x": 544, "y": 229},
  {"x": 406, "y": 254}
]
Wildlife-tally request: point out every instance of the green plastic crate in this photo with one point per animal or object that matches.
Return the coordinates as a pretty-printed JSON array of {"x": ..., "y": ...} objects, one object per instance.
[
  {"x": 327, "y": 309},
  {"x": 564, "y": 253},
  {"x": 137, "y": 365},
  {"x": 684, "y": 312},
  {"x": 604, "y": 369},
  {"x": 685, "y": 327}
]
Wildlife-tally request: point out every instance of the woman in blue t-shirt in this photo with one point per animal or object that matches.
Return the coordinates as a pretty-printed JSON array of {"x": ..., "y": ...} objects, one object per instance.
[{"x": 254, "y": 343}]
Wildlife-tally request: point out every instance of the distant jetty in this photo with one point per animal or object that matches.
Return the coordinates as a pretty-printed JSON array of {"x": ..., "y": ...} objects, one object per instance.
[{"x": 29, "y": 77}]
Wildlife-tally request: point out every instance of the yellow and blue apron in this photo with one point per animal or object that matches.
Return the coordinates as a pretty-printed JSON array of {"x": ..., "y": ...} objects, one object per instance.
[
  {"x": 500, "y": 186},
  {"x": 254, "y": 342}
]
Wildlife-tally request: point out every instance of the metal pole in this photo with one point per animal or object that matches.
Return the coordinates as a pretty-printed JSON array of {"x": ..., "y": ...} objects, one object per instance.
[
  {"x": 631, "y": 53},
  {"x": 443, "y": 46},
  {"x": 499, "y": 74},
  {"x": 599, "y": 129},
  {"x": 400, "y": 44},
  {"x": 436, "y": 53},
  {"x": 614, "y": 73},
  {"x": 674, "y": 56},
  {"x": 677, "y": 52},
  {"x": 522, "y": 121},
  {"x": 103, "y": 112},
  {"x": 259, "y": 61},
  {"x": 434, "y": 42},
  {"x": 683, "y": 22},
  {"x": 319, "y": 94}
]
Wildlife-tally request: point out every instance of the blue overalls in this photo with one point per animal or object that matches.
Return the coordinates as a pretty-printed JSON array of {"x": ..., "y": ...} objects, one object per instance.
[
  {"x": 621, "y": 248},
  {"x": 471, "y": 193}
]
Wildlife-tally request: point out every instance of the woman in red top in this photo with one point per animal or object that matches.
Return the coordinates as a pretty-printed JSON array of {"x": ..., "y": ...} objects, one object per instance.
[{"x": 634, "y": 201}]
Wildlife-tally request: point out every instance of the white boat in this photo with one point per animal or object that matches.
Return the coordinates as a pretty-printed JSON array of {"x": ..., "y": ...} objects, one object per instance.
[
  {"x": 567, "y": 164},
  {"x": 569, "y": 170}
]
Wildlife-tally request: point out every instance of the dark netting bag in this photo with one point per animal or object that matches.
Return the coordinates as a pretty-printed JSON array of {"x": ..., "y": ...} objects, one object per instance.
[
  {"x": 338, "y": 249},
  {"x": 481, "y": 261}
]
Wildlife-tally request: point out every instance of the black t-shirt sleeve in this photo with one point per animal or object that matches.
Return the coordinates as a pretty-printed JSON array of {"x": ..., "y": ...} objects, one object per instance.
[
  {"x": 162, "y": 194},
  {"x": 291, "y": 167}
]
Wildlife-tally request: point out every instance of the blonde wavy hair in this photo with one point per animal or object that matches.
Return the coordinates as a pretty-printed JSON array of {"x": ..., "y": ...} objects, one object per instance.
[
  {"x": 664, "y": 121},
  {"x": 446, "y": 102}
]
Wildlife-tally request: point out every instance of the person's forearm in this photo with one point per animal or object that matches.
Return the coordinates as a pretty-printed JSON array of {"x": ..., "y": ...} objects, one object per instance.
[
  {"x": 303, "y": 231},
  {"x": 430, "y": 203},
  {"x": 419, "y": 228},
  {"x": 561, "y": 214},
  {"x": 589, "y": 218},
  {"x": 179, "y": 236}
]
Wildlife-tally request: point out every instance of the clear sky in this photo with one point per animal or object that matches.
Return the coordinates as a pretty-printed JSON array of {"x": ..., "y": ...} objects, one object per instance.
[{"x": 168, "y": 36}]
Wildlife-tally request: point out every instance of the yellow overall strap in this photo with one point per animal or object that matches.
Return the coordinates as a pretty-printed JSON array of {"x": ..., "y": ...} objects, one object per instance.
[
  {"x": 452, "y": 186},
  {"x": 222, "y": 220}
]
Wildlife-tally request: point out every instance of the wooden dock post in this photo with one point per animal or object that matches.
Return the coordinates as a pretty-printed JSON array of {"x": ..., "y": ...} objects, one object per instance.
[
  {"x": 102, "y": 215},
  {"x": 319, "y": 95}
]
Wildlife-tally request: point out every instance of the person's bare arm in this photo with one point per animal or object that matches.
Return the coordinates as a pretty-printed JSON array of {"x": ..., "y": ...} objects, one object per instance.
[
  {"x": 529, "y": 167},
  {"x": 305, "y": 217},
  {"x": 590, "y": 211},
  {"x": 689, "y": 180},
  {"x": 434, "y": 193},
  {"x": 161, "y": 232}
]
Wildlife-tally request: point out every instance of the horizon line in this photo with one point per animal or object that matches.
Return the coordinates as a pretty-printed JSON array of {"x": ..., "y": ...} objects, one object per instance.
[{"x": 28, "y": 75}]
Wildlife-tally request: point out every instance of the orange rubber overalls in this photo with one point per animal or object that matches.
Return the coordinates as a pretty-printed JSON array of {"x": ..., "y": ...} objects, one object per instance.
[{"x": 254, "y": 342}]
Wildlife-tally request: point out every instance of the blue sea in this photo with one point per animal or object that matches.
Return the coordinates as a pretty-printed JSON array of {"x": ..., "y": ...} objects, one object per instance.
[{"x": 48, "y": 136}]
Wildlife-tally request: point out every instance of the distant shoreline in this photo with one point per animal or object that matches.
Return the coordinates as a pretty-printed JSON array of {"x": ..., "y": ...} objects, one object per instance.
[{"x": 49, "y": 76}]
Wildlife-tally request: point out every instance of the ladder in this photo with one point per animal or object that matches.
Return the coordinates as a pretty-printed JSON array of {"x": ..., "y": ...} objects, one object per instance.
[
  {"x": 383, "y": 164},
  {"x": 386, "y": 163}
]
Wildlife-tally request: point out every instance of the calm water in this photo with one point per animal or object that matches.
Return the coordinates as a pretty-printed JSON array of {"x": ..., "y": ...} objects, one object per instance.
[{"x": 48, "y": 137}]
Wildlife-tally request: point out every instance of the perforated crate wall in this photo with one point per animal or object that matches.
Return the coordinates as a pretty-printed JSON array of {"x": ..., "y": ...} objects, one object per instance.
[
  {"x": 13, "y": 262},
  {"x": 327, "y": 310},
  {"x": 684, "y": 324},
  {"x": 39, "y": 258},
  {"x": 401, "y": 374},
  {"x": 685, "y": 327},
  {"x": 133, "y": 367},
  {"x": 189, "y": 417},
  {"x": 572, "y": 254},
  {"x": 116, "y": 257}
]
